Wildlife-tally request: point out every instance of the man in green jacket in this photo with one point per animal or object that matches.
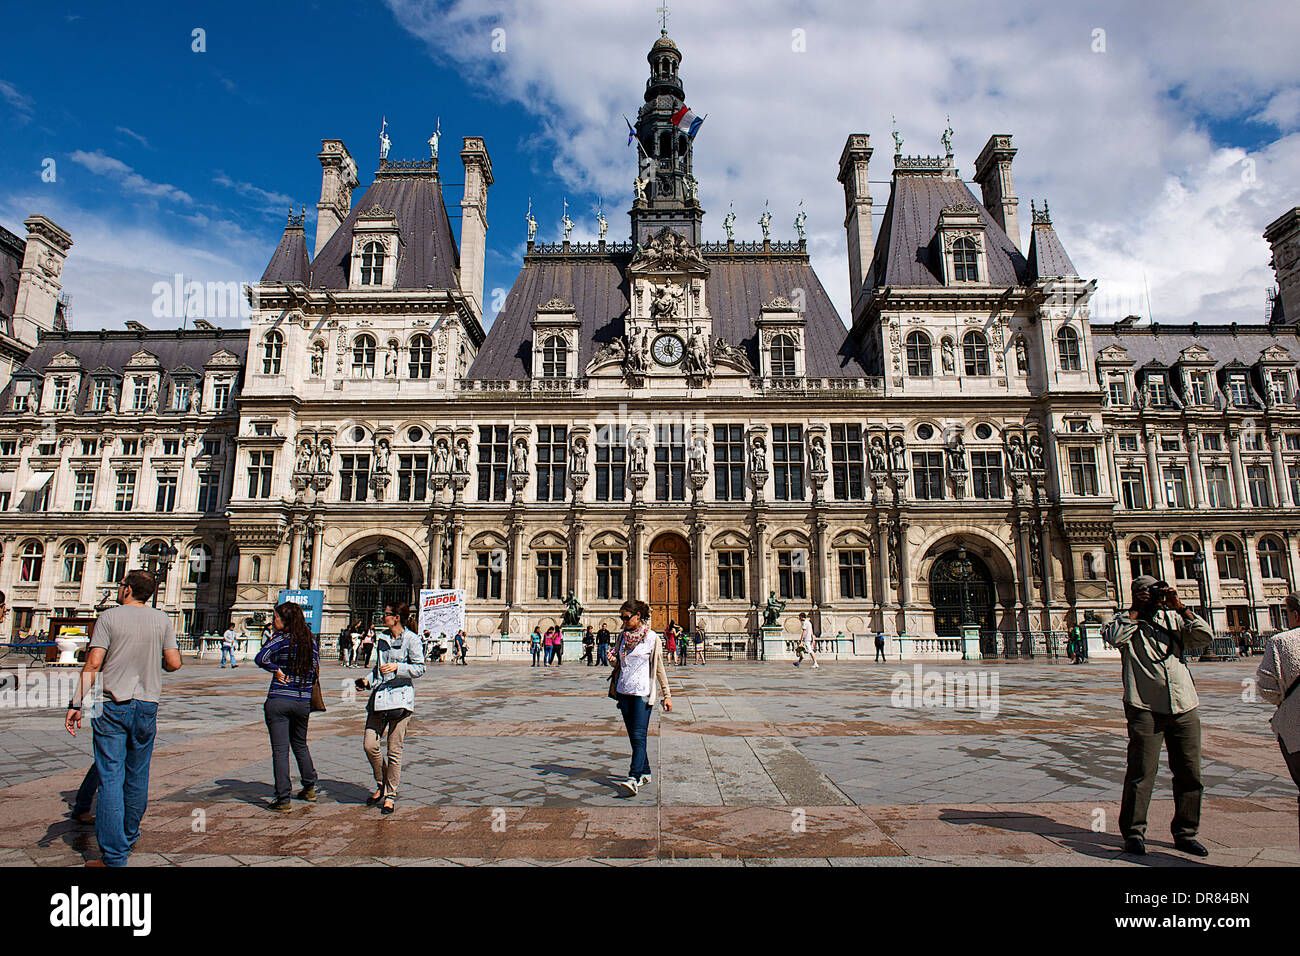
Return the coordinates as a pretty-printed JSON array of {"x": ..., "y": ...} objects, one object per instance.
[{"x": 1154, "y": 637}]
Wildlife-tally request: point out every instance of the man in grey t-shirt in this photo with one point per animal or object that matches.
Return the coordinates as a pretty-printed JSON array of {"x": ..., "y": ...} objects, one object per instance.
[{"x": 131, "y": 646}]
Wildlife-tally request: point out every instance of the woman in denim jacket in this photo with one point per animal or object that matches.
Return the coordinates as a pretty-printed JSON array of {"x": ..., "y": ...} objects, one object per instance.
[{"x": 400, "y": 661}]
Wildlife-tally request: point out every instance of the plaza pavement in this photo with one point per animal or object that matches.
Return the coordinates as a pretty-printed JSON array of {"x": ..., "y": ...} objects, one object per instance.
[{"x": 758, "y": 763}]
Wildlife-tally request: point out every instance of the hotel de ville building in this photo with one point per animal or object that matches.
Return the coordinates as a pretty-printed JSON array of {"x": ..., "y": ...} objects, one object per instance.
[{"x": 666, "y": 417}]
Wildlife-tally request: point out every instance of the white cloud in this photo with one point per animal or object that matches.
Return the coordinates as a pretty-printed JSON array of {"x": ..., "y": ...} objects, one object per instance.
[
  {"x": 268, "y": 200},
  {"x": 135, "y": 136},
  {"x": 1117, "y": 141},
  {"x": 131, "y": 181},
  {"x": 21, "y": 103}
]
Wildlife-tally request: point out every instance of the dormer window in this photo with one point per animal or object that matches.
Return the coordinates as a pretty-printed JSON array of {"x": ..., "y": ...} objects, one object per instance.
[
  {"x": 965, "y": 261},
  {"x": 976, "y": 352},
  {"x": 1118, "y": 388},
  {"x": 1067, "y": 347},
  {"x": 181, "y": 395},
  {"x": 920, "y": 358},
  {"x": 372, "y": 264},
  {"x": 1157, "y": 389},
  {"x": 363, "y": 357},
  {"x": 1198, "y": 389},
  {"x": 272, "y": 352},
  {"x": 140, "y": 392},
  {"x": 783, "y": 365},
  {"x": 421, "y": 356},
  {"x": 1280, "y": 384},
  {"x": 555, "y": 358},
  {"x": 1238, "y": 390},
  {"x": 61, "y": 391},
  {"x": 99, "y": 398}
]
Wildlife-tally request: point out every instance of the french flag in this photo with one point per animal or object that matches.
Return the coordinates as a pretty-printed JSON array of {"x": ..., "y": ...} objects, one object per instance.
[{"x": 685, "y": 119}]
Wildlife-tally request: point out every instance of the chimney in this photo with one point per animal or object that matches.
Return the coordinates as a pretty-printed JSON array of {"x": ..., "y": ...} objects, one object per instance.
[
  {"x": 857, "y": 209},
  {"x": 1283, "y": 235},
  {"x": 338, "y": 179},
  {"x": 40, "y": 279},
  {"x": 993, "y": 173},
  {"x": 473, "y": 222}
]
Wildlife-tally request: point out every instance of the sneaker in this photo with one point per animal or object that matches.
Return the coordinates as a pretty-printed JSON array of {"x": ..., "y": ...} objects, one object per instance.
[
  {"x": 280, "y": 806},
  {"x": 815, "y": 664},
  {"x": 630, "y": 785},
  {"x": 308, "y": 793},
  {"x": 644, "y": 781}
]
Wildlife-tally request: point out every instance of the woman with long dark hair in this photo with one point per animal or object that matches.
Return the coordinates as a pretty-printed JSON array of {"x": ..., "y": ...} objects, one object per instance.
[
  {"x": 400, "y": 661},
  {"x": 638, "y": 677},
  {"x": 292, "y": 657}
]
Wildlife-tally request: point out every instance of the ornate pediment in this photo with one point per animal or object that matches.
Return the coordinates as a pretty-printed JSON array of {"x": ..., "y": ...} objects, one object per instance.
[
  {"x": 1195, "y": 353},
  {"x": 143, "y": 359},
  {"x": 64, "y": 360},
  {"x": 223, "y": 358},
  {"x": 668, "y": 251},
  {"x": 1275, "y": 353},
  {"x": 1114, "y": 353}
]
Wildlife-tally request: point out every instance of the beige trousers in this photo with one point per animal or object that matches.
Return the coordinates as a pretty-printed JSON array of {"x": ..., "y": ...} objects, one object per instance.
[{"x": 388, "y": 771}]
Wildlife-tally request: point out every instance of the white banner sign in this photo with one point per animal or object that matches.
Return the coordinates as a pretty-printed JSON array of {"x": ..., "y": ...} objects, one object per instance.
[{"x": 442, "y": 612}]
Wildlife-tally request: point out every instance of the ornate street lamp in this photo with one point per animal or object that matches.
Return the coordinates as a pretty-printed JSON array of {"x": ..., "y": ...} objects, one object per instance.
[
  {"x": 962, "y": 570},
  {"x": 158, "y": 561},
  {"x": 1203, "y": 584}
]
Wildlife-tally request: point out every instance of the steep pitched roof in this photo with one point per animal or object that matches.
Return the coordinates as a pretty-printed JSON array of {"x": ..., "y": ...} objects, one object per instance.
[
  {"x": 289, "y": 261},
  {"x": 597, "y": 287},
  {"x": 907, "y": 252},
  {"x": 1164, "y": 344},
  {"x": 1047, "y": 257},
  {"x": 427, "y": 254}
]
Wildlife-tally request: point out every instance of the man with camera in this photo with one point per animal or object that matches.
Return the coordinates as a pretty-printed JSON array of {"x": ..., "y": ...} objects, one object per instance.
[{"x": 1154, "y": 637}]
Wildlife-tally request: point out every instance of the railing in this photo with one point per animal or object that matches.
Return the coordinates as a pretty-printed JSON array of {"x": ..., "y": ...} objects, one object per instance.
[
  {"x": 803, "y": 385},
  {"x": 1014, "y": 642},
  {"x": 548, "y": 387}
]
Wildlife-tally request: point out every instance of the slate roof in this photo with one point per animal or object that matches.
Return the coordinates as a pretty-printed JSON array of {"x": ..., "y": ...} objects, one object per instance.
[
  {"x": 907, "y": 251},
  {"x": 191, "y": 348},
  {"x": 1165, "y": 343},
  {"x": 1047, "y": 257},
  {"x": 427, "y": 254},
  {"x": 289, "y": 261},
  {"x": 596, "y": 286}
]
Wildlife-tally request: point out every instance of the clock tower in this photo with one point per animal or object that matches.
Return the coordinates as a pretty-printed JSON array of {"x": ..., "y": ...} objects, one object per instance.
[{"x": 668, "y": 320}]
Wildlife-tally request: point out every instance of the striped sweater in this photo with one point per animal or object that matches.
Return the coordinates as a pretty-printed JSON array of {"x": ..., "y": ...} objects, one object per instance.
[{"x": 277, "y": 655}]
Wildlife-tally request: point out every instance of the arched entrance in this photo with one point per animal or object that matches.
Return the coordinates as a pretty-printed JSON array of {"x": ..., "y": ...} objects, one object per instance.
[
  {"x": 960, "y": 583},
  {"x": 378, "y": 579},
  {"x": 670, "y": 581}
]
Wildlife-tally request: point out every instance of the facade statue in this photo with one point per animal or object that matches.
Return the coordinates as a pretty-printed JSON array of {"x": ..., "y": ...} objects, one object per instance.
[
  {"x": 638, "y": 188},
  {"x": 462, "y": 457},
  {"x": 385, "y": 144},
  {"x": 666, "y": 300},
  {"x": 772, "y": 612},
  {"x": 382, "y": 452},
  {"x": 152, "y": 401},
  {"x": 799, "y": 222},
  {"x": 433, "y": 140},
  {"x": 898, "y": 454},
  {"x": 602, "y": 225},
  {"x": 697, "y": 353},
  {"x": 519, "y": 461},
  {"x": 758, "y": 456},
  {"x": 893, "y": 552},
  {"x": 1022, "y": 357},
  {"x": 729, "y": 223},
  {"x": 949, "y": 359},
  {"x": 390, "y": 362},
  {"x": 765, "y": 223},
  {"x": 324, "y": 456},
  {"x": 638, "y": 454},
  {"x": 530, "y": 221},
  {"x": 957, "y": 455},
  {"x": 566, "y": 223},
  {"x": 441, "y": 457},
  {"x": 1016, "y": 450},
  {"x": 692, "y": 188},
  {"x": 1035, "y": 454},
  {"x": 946, "y": 138},
  {"x": 817, "y": 452},
  {"x": 317, "y": 360},
  {"x": 578, "y": 457},
  {"x": 878, "y": 463},
  {"x": 304, "y": 457},
  {"x": 572, "y": 611},
  {"x": 698, "y": 452}
]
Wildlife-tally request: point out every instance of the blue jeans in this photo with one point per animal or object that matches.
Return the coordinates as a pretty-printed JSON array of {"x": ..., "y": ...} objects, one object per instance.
[
  {"x": 124, "y": 736},
  {"x": 550, "y": 653},
  {"x": 537, "y": 654},
  {"x": 227, "y": 652},
  {"x": 86, "y": 792},
  {"x": 636, "y": 717},
  {"x": 602, "y": 654}
]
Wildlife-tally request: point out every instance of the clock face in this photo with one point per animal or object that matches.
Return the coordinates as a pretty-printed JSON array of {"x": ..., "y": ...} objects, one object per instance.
[{"x": 668, "y": 349}]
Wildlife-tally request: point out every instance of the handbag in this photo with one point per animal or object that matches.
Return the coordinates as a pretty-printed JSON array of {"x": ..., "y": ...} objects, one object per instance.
[{"x": 317, "y": 698}]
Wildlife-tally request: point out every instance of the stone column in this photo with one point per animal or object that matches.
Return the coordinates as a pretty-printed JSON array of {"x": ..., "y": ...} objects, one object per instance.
[
  {"x": 1153, "y": 470},
  {"x": 637, "y": 576},
  {"x": 1049, "y": 578},
  {"x": 1198, "y": 473},
  {"x": 884, "y": 594},
  {"x": 1254, "y": 586},
  {"x": 1279, "y": 471},
  {"x": 818, "y": 569},
  {"x": 576, "y": 550},
  {"x": 435, "y": 550},
  {"x": 453, "y": 549},
  {"x": 1112, "y": 470},
  {"x": 759, "y": 546},
  {"x": 904, "y": 565},
  {"x": 317, "y": 545},
  {"x": 699, "y": 565},
  {"x": 1239, "y": 495},
  {"x": 295, "y": 553},
  {"x": 90, "y": 574},
  {"x": 1289, "y": 547}
]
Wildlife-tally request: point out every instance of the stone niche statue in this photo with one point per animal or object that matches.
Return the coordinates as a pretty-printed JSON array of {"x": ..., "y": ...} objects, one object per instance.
[
  {"x": 578, "y": 457},
  {"x": 462, "y": 457},
  {"x": 382, "y": 452},
  {"x": 818, "y": 454},
  {"x": 957, "y": 454},
  {"x": 519, "y": 460},
  {"x": 317, "y": 360},
  {"x": 772, "y": 612},
  {"x": 758, "y": 456},
  {"x": 666, "y": 300},
  {"x": 879, "y": 464},
  {"x": 441, "y": 457},
  {"x": 1035, "y": 454},
  {"x": 638, "y": 454},
  {"x": 304, "y": 457},
  {"x": 1016, "y": 449},
  {"x": 697, "y": 353},
  {"x": 324, "y": 456},
  {"x": 898, "y": 454},
  {"x": 698, "y": 451},
  {"x": 572, "y": 611},
  {"x": 390, "y": 362},
  {"x": 1022, "y": 357},
  {"x": 949, "y": 360}
]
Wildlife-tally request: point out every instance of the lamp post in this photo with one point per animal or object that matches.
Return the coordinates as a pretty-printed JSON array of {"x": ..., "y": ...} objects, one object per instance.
[
  {"x": 1203, "y": 583},
  {"x": 962, "y": 569},
  {"x": 158, "y": 561}
]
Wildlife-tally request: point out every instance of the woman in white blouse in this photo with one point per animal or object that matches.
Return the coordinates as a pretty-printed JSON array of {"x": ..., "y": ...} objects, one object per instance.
[
  {"x": 1277, "y": 677},
  {"x": 638, "y": 678}
]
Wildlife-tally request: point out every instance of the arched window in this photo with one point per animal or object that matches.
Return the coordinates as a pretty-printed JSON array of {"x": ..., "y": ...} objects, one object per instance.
[
  {"x": 1185, "y": 553},
  {"x": 114, "y": 562},
  {"x": 965, "y": 261},
  {"x": 1089, "y": 566},
  {"x": 555, "y": 358},
  {"x": 1141, "y": 558},
  {"x": 919, "y": 359},
  {"x": 421, "y": 356},
  {"x": 1270, "y": 559},
  {"x": 33, "y": 559},
  {"x": 372, "y": 264},
  {"x": 1228, "y": 554},
  {"x": 200, "y": 562},
  {"x": 783, "y": 356},
  {"x": 255, "y": 567},
  {"x": 976, "y": 350},
  {"x": 272, "y": 352},
  {"x": 74, "y": 562},
  {"x": 1067, "y": 346},
  {"x": 363, "y": 357}
]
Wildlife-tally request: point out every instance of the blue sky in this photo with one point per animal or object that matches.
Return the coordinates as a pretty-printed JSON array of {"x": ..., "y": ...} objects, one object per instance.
[{"x": 1163, "y": 155}]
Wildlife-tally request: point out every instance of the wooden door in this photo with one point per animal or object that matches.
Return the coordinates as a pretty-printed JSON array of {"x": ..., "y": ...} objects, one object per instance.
[{"x": 670, "y": 582}]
